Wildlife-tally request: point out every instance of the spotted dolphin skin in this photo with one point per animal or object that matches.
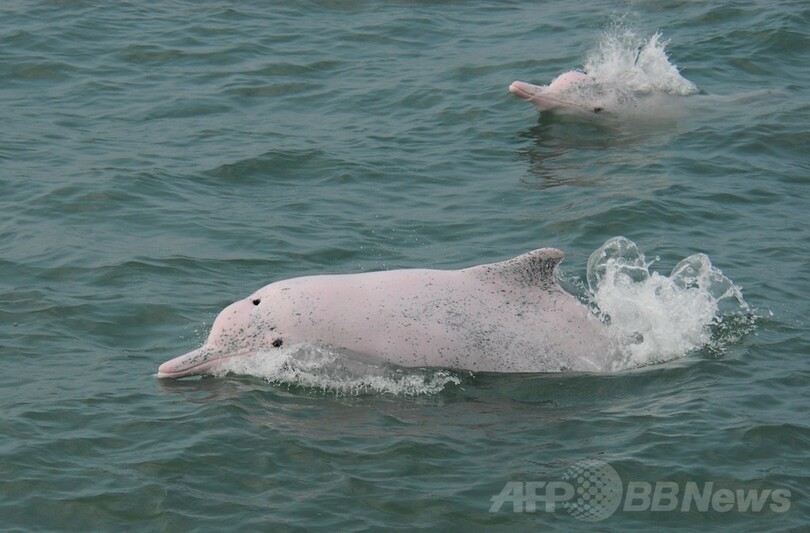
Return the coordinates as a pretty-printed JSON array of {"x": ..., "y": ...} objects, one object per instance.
[{"x": 511, "y": 316}]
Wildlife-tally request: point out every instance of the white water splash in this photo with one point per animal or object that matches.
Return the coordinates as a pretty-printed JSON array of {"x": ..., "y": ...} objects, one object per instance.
[
  {"x": 318, "y": 367},
  {"x": 655, "y": 318},
  {"x": 623, "y": 59}
]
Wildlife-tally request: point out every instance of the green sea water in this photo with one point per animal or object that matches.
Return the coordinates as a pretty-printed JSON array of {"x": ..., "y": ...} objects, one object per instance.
[{"x": 160, "y": 160}]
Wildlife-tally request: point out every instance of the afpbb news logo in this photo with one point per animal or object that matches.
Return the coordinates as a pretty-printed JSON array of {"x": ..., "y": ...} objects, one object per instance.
[{"x": 592, "y": 490}]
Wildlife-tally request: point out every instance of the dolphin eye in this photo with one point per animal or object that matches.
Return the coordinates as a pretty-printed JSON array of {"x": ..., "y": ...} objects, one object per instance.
[
  {"x": 257, "y": 301},
  {"x": 277, "y": 343}
]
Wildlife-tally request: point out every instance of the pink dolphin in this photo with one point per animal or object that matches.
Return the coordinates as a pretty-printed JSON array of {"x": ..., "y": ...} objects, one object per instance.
[
  {"x": 571, "y": 91},
  {"x": 511, "y": 316}
]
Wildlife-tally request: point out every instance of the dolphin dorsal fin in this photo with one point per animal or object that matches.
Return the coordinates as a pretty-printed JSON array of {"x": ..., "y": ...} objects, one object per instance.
[{"x": 535, "y": 268}]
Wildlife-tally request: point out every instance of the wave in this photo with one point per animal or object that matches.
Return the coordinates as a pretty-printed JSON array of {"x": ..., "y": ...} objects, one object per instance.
[{"x": 341, "y": 373}]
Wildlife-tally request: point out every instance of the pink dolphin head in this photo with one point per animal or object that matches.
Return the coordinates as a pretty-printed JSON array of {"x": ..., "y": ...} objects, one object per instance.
[
  {"x": 571, "y": 91},
  {"x": 240, "y": 329}
]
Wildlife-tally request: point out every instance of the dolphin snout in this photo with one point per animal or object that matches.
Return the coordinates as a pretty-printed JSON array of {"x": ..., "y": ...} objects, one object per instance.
[
  {"x": 193, "y": 363},
  {"x": 177, "y": 367},
  {"x": 527, "y": 91}
]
